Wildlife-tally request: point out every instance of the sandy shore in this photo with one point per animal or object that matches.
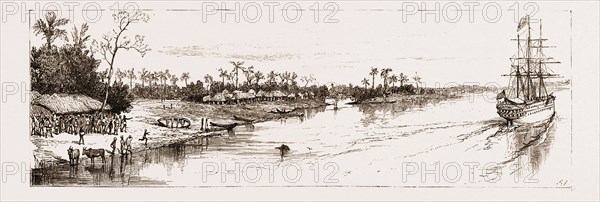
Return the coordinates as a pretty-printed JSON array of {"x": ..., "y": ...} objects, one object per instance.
[{"x": 144, "y": 114}]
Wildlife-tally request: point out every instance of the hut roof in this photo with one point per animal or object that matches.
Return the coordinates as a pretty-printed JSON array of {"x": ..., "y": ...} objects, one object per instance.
[
  {"x": 39, "y": 110},
  {"x": 34, "y": 95},
  {"x": 270, "y": 94},
  {"x": 207, "y": 98},
  {"x": 219, "y": 97},
  {"x": 261, "y": 93},
  {"x": 225, "y": 91},
  {"x": 279, "y": 94},
  {"x": 69, "y": 103},
  {"x": 291, "y": 95}
]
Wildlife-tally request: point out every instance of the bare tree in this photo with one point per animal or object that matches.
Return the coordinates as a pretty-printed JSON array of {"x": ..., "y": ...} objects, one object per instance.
[{"x": 114, "y": 41}]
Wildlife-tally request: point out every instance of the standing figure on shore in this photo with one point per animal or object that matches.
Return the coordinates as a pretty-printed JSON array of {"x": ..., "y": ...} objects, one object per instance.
[
  {"x": 113, "y": 145},
  {"x": 124, "y": 124},
  {"x": 81, "y": 134},
  {"x": 145, "y": 137},
  {"x": 123, "y": 146},
  {"x": 128, "y": 142}
]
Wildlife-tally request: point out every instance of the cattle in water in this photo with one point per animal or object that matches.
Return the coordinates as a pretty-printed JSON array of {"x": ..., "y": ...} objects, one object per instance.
[
  {"x": 73, "y": 156},
  {"x": 92, "y": 153}
]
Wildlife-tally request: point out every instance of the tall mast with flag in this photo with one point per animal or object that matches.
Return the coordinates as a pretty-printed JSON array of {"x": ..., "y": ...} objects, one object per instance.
[{"x": 527, "y": 99}]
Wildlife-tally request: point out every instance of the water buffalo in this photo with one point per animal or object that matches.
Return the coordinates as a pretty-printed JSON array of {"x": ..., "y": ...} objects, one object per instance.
[
  {"x": 73, "y": 156},
  {"x": 92, "y": 153}
]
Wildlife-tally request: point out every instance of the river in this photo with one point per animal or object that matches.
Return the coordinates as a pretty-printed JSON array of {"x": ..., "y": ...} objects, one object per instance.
[{"x": 452, "y": 143}]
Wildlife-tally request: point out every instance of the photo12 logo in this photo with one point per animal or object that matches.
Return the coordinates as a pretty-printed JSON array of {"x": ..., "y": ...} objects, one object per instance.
[
  {"x": 283, "y": 173},
  {"x": 217, "y": 11},
  {"x": 454, "y": 12}
]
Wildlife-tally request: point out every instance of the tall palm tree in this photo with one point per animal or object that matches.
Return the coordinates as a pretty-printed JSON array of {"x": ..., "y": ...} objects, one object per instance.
[
  {"x": 152, "y": 77},
  {"x": 373, "y": 72},
  {"x": 120, "y": 75},
  {"x": 50, "y": 28},
  {"x": 208, "y": 79},
  {"x": 403, "y": 78},
  {"x": 293, "y": 78},
  {"x": 143, "y": 75},
  {"x": 385, "y": 72},
  {"x": 223, "y": 74},
  {"x": 417, "y": 80},
  {"x": 393, "y": 80},
  {"x": 237, "y": 66},
  {"x": 271, "y": 77},
  {"x": 174, "y": 80},
  {"x": 249, "y": 73},
  {"x": 258, "y": 76},
  {"x": 185, "y": 76},
  {"x": 131, "y": 76},
  {"x": 365, "y": 82}
]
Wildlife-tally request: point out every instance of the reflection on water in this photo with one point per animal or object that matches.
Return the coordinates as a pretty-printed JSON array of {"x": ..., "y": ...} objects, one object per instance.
[
  {"x": 378, "y": 134},
  {"x": 529, "y": 145}
]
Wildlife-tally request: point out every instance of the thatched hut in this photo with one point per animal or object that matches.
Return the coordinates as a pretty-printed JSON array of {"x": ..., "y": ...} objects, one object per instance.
[
  {"x": 270, "y": 96},
  {"x": 279, "y": 95},
  {"x": 251, "y": 95},
  {"x": 291, "y": 96},
  {"x": 239, "y": 96},
  {"x": 68, "y": 103},
  {"x": 219, "y": 98},
  {"x": 261, "y": 95},
  {"x": 207, "y": 99}
]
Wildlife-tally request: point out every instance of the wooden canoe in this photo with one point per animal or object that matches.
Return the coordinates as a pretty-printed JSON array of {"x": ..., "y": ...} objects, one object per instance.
[
  {"x": 174, "y": 122},
  {"x": 226, "y": 126},
  {"x": 242, "y": 119}
]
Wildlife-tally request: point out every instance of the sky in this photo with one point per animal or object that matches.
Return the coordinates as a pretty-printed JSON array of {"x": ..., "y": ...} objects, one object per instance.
[{"x": 186, "y": 37}]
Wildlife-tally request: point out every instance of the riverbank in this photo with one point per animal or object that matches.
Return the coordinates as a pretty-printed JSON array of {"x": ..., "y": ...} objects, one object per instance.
[
  {"x": 52, "y": 151},
  {"x": 402, "y": 98}
]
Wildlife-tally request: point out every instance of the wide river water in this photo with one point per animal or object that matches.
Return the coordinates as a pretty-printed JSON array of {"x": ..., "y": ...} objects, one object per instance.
[{"x": 452, "y": 143}]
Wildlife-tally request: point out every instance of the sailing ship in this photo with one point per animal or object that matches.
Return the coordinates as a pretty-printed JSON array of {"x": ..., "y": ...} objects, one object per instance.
[{"x": 526, "y": 100}]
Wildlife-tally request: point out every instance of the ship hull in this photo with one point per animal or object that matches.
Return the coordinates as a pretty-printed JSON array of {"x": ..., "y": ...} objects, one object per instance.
[{"x": 526, "y": 113}]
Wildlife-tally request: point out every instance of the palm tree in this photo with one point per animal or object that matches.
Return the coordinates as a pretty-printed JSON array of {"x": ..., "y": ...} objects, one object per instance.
[
  {"x": 166, "y": 76},
  {"x": 307, "y": 79},
  {"x": 208, "y": 79},
  {"x": 50, "y": 28},
  {"x": 120, "y": 75},
  {"x": 174, "y": 80},
  {"x": 237, "y": 66},
  {"x": 385, "y": 72},
  {"x": 185, "y": 76},
  {"x": 143, "y": 75},
  {"x": 223, "y": 74},
  {"x": 131, "y": 76},
  {"x": 103, "y": 75},
  {"x": 152, "y": 77},
  {"x": 373, "y": 73},
  {"x": 258, "y": 76},
  {"x": 284, "y": 77},
  {"x": 271, "y": 77},
  {"x": 403, "y": 78},
  {"x": 393, "y": 80},
  {"x": 417, "y": 80},
  {"x": 365, "y": 82},
  {"x": 80, "y": 37},
  {"x": 293, "y": 78},
  {"x": 249, "y": 73}
]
